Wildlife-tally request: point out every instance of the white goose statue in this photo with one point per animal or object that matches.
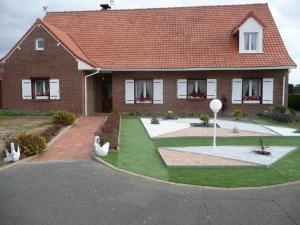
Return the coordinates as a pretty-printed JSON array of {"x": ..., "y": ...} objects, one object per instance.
[
  {"x": 14, "y": 154},
  {"x": 100, "y": 150}
]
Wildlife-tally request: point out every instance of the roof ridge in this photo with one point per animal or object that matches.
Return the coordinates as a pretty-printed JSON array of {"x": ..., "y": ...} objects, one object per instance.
[{"x": 157, "y": 8}]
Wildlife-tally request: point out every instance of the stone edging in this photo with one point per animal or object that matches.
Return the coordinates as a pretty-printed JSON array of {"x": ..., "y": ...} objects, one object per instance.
[
  {"x": 51, "y": 142},
  {"x": 98, "y": 159}
]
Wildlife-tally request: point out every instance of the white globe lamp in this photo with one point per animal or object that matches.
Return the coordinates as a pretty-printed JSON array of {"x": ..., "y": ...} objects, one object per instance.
[{"x": 215, "y": 106}]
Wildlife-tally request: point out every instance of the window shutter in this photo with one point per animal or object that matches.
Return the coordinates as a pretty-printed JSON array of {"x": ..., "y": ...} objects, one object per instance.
[
  {"x": 182, "y": 88},
  {"x": 26, "y": 90},
  {"x": 211, "y": 88},
  {"x": 267, "y": 97},
  {"x": 158, "y": 91},
  {"x": 54, "y": 89},
  {"x": 129, "y": 91},
  {"x": 237, "y": 88}
]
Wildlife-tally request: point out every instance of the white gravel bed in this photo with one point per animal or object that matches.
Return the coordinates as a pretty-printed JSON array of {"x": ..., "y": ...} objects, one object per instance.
[{"x": 242, "y": 153}]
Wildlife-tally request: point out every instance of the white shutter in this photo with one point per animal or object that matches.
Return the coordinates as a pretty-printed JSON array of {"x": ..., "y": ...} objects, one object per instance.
[
  {"x": 54, "y": 89},
  {"x": 211, "y": 88},
  {"x": 237, "y": 88},
  {"x": 267, "y": 97},
  {"x": 26, "y": 90},
  {"x": 182, "y": 88},
  {"x": 129, "y": 91},
  {"x": 158, "y": 91}
]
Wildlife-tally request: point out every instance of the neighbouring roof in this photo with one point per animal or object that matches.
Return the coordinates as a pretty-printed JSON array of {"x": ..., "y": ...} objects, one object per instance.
[{"x": 167, "y": 38}]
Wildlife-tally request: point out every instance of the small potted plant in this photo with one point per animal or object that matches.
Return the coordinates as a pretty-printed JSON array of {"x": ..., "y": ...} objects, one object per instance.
[
  {"x": 237, "y": 114},
  {"x": 262, "y": 149},
  {"x": 170, "y": 115},
  {"x": 154, "y": 120},
  {"x": 205, "y": 119}
]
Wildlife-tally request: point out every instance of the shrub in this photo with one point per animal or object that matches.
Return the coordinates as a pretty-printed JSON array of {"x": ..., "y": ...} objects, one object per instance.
[
  {"x": 134, "y": 113},
  {"x": 291, "y": 89},
  {"x": 170, "y": 115},
  {"x": 237, "y": 114},
  {"x": 154, "y": 120},
  {"x": 110, "y": 130},
  {"x": 50, "y": 132},
  {"x": 205, "y": 119},
  {"x": 63, "y": 118},
  {"x": 294, "y": 101},
  {"x": 282, "y": 117},
  {"x": 31, "y": 144}
]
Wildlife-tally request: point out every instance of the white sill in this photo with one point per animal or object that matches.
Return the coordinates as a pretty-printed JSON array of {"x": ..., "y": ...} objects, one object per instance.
[
  {"x": 39, "y": 49},
  {"x": 200, "y": 98},
  {"x": 251, "y": 102},
  {"x": 143, "y": 102},
  {"x": 42, "y": 97}
]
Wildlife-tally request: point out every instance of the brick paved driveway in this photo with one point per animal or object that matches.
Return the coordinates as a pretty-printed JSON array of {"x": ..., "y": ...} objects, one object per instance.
[{"x": 75, "y": 143}]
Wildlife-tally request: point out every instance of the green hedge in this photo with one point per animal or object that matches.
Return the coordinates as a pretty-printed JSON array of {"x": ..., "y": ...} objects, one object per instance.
[
  {"x": 20, "y": 113},
  {"x": 294, "y": 101}
]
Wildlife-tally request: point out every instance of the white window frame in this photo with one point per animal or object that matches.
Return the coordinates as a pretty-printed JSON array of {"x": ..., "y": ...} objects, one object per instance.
[
  {"x": 251, "y": 26},
  {"x": 250, "y": 42},
  {"x": 250, "y": 91},
  {"x": 37, "y": 40},
  {"x": 196, "y": 88},
  {"x": 44, "y": 87},
  {"x": 144, "y": 91}
]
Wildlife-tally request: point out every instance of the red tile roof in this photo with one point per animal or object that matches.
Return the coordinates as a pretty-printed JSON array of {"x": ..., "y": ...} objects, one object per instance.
[{"x": 167, "y": 38}]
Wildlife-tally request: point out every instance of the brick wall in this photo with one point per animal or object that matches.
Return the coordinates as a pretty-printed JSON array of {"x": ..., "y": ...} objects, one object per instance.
[
  {"x": 224, "y": 83},
  {"x": 0, "y": 94},
  {"x": 54, "y": 62}
]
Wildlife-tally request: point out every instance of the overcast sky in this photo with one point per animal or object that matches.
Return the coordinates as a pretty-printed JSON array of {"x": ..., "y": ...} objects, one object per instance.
[{"x": 17, "y": 16}]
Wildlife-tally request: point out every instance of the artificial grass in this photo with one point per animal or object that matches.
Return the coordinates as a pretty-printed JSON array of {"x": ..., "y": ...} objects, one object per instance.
[{"x": 138, "y": 154}]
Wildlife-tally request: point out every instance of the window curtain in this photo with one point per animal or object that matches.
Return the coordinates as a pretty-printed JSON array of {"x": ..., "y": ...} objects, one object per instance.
[
  {"x": 139, "y": 89},
  {"x": 202, "y": 86},
  {"x": 253, "y": 41},
  {"x": 149, "y": 87},
  {"x": 246, "y": 88},
  {"x": 246, "y": 41},
  {"x": 191, "y": 87},
  {"x": 255, "y": 87}
]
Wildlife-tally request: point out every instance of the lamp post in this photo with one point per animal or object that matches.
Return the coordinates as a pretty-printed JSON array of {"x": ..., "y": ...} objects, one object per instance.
[{"x": 215, "y": 105}]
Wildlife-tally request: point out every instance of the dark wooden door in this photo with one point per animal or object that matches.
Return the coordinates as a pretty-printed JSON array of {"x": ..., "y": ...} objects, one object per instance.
[{"x": 107, "y": 96}]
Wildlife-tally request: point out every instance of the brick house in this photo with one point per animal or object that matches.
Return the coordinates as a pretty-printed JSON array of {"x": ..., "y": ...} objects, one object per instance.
[{"x": 151, "y": 60}]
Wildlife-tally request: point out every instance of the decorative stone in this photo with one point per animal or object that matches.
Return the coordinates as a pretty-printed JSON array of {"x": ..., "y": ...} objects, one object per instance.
[
  {"x": 100, "y": 150},
  {"x": 236, "y": 130}
]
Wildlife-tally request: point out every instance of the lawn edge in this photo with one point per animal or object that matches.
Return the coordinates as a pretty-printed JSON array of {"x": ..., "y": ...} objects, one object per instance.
[{"x": 103, "y": 162}]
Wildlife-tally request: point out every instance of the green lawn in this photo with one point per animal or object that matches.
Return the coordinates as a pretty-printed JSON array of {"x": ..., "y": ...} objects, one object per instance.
[{"x": 138, "y": 154}]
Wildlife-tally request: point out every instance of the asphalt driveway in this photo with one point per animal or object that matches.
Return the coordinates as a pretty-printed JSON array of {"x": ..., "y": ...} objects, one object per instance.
[{"x": 85, "y": 192}]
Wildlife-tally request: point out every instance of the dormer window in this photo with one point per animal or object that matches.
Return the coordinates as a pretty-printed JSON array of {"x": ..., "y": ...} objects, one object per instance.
[
  {"x": 39, "y": 44},
  {"x": 250, "y": 41},
  {"x": 250, "y": 34}
]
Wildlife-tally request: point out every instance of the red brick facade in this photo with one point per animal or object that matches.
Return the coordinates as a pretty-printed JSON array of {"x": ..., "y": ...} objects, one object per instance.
[
  {"x": 54, "y": 62},
  {"x": 224, "y": 87}
]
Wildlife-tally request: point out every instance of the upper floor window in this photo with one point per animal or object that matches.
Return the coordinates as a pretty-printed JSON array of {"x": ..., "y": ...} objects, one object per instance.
[
  {"x": 39, "y": 44},
  {"x": 143, "y": 91},
  {"x": 197, "y": 89},
  {"x": 251, "y": 41}
]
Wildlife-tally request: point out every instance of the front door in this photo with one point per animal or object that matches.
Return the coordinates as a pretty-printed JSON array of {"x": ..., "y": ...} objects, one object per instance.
[{"x": 107, "y": 94}]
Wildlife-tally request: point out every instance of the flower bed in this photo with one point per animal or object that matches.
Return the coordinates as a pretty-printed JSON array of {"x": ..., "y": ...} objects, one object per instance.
[{"x": 109, "y": 132}]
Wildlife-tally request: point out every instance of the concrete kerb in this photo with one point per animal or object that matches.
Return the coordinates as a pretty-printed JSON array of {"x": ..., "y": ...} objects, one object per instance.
[
  {"x": 51, "y": 142},
  {"x": 98, "y": 159}
]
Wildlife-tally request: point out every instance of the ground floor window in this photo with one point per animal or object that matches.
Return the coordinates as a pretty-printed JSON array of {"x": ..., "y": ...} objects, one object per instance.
[
  {"x": 42, "y": 89},
  {"x": 252, "y": 90},
  {"x": 143, "y": 91},
  {"x": 197, "y": 89}
]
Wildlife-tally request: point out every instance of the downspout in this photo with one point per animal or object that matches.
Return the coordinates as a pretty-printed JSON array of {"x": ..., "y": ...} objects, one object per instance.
[
  {"x": 85, "y": 90},
  {"x": 283, "y": 89}
]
